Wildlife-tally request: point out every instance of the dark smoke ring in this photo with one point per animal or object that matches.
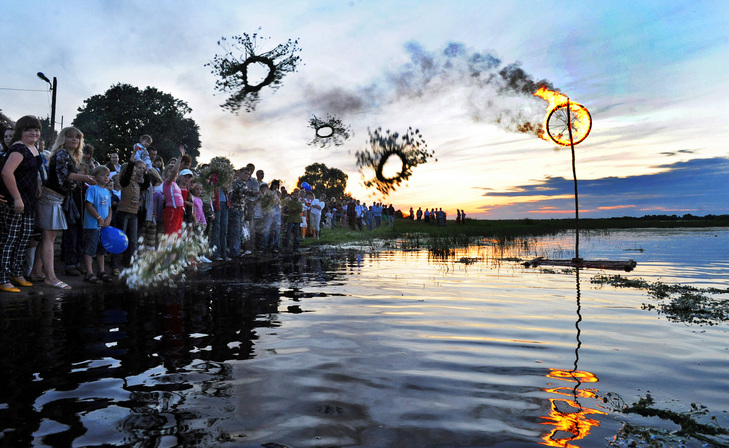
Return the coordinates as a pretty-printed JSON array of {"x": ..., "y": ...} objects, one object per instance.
[
  {"x": 258, "y": 60},
  {"x": 383, "y": 160},
  {"x": 324, "y": 126}
]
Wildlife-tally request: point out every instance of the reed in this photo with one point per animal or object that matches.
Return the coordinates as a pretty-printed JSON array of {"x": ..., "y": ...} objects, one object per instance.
[{"x": 419, "y": 234}]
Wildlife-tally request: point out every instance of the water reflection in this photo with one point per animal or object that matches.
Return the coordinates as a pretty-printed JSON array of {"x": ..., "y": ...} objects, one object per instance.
[
  {"x": 124, "y": 368},
  {"x": 347, "y": 348},
  {"x": 571, "y": 420}
]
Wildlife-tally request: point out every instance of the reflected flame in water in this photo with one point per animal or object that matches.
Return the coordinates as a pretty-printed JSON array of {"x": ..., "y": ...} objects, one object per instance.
[
  {"x": 571, "y": 421},
  {"x": 575, "y": 376}
]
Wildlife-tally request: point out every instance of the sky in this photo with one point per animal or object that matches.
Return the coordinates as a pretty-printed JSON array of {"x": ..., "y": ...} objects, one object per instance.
[{"x": 653, "y": 75}]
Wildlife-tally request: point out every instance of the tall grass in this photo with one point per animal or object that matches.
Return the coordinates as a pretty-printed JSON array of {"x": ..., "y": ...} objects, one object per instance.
[{"x": 410, "y": 234}]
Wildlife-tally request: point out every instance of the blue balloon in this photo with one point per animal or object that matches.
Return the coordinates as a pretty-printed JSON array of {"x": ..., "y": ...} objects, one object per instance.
[
  {"x": 306, "y": 186},
  {"x": 114, "y": 240}
]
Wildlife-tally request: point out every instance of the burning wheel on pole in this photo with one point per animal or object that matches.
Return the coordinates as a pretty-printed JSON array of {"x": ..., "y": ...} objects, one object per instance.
[{"x": 569, "y": 114}]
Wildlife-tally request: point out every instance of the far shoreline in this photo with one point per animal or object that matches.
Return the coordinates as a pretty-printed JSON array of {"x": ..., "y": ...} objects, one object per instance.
[
  {"x": 509, "y": 228},
  {"x": 405, "y": 228}
]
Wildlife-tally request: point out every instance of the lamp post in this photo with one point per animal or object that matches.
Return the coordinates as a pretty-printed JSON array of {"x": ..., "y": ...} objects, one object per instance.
[{"x": 54, "y": 87}]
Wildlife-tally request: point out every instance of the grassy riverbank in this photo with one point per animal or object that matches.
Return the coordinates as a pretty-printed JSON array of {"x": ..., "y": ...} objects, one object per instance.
[{"x": 506, "y": 229}]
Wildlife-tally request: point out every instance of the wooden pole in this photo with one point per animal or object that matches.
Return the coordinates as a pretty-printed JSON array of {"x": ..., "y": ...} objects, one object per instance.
[{"x": 574, "y": 177}]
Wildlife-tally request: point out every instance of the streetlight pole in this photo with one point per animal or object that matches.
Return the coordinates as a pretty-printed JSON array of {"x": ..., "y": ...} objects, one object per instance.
[{"x": 54, "y": 88}]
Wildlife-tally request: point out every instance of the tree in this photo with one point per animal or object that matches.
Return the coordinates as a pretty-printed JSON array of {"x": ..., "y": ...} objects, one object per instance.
[
  {"x": 115, "y": 120},
  {"x": 330, "y": 181},
  {"x": 6, "y": 122},
  {"x": 46, "y": 132}
]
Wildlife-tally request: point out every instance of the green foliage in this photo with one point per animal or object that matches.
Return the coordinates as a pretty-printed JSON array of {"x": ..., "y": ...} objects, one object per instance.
[
  {"x": 330, "y": 181},
  {"x": 689, "y": 424},
  {"x": 46, "y": 132},
  {"x": 115, "y": 120},
  {"x": 218, "y": 173},
  {"x": 343, "y": 236},
  {"x": 680, "y": 303}
]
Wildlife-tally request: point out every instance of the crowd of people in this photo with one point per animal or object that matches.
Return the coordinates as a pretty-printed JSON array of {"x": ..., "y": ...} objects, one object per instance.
[
  {"x": 435, "y": 216},
  {"x": 66, "y": 190}
]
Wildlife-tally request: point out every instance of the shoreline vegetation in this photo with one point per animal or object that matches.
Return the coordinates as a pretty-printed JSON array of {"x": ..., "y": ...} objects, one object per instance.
[
  {"x": 440, "y": 240},
  {"x": 507, "y": 229}
]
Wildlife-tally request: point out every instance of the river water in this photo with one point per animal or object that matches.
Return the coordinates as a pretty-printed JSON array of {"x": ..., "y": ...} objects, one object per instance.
[{"x": 374, "y": 348}]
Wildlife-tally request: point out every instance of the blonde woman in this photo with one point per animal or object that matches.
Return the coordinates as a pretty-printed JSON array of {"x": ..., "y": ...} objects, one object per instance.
[{"x": 63, "y": 177}]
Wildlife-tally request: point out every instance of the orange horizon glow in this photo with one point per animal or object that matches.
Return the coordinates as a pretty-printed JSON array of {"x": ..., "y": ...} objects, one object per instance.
[{"x": 616, "y": 207}]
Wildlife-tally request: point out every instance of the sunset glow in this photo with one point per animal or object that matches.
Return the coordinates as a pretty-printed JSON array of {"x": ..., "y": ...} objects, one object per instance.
[{"x": 652, "y": 147}]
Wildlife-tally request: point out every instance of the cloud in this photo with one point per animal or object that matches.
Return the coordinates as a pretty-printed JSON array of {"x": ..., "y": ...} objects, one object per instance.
[
  {"x": 496, "y": 93},
  {"x": 697, "y": 186}
]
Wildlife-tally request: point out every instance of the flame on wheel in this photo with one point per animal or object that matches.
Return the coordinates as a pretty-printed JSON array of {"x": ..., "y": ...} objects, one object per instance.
[
  {"x": 565, "y": 116},
  {"x": 567, "y": 124}
]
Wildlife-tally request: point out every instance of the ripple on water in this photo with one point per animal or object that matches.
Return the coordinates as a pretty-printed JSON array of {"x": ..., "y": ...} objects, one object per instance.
[{"x": 367, "y": 349}]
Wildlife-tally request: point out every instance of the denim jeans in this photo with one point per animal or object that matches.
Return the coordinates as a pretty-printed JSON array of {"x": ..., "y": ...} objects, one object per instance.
[
  {"x": 72, "y": 244},
  {"x": 234, "y": 229},
  {"x": 128, "y": 224},
  {"x": 219, "y": 231}
]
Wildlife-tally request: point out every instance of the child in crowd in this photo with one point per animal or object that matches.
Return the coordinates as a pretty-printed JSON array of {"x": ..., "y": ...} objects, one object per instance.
[
  {"x": 184, "y": 181},
  {"x": 115, "y": 195},
  {"x": 198, "y": 214},
  {"x": 197, "y": 205},
  {"x": 174, "y": 204},
  {"x": 141, "y": 152},
  {"x": 97, "y": 216},
  {"x": 159, "y": 207},
  {"x": 294, "y": 210},
  {"x": 306, "y": 199},
  {"x": 159, "y": 164}
]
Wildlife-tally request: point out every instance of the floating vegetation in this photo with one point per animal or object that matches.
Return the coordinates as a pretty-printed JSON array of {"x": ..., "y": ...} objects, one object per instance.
[
  {"x": 444, "y": 246},
  {"x": 234, "y": 69},
  {"x": 689, "y": 425},
  {"x": 410, "y": 148},
  {"x": 469, "y": 260},
  {"x": 568, "y": 271},
  {"x": 329, "y": 132},
  {"x": 441, "y": 253},
  {"x": 683, "y": 303}
]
